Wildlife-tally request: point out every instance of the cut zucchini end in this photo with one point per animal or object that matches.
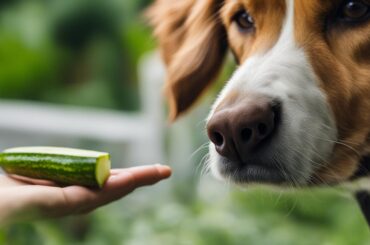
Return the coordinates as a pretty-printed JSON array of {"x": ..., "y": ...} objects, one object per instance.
[{"x": 102, "y": 170}]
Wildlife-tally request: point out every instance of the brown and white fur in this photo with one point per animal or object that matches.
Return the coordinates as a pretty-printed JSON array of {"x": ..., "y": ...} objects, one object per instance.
[{"x": 299, "y": 53}]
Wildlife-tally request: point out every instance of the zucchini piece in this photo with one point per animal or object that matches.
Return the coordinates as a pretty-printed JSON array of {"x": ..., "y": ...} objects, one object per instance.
[{"x": 62, "y": 165}]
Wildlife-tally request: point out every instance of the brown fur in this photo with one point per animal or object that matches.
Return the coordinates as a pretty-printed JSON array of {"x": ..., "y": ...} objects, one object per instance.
[
  {"x": 341, "y": 60},
  {"x": 193, "y": 44}
]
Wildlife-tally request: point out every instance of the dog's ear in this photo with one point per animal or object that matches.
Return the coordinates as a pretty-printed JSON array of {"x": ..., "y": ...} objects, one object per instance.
[{"x": 193, "y": 44}]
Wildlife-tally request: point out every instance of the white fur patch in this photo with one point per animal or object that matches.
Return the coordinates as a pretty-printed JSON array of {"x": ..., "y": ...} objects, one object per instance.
[{"x": 307, "y": 132}]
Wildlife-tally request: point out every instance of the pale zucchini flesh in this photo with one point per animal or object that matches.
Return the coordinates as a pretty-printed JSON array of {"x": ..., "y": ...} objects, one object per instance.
[{"x": 62, "y": 165}]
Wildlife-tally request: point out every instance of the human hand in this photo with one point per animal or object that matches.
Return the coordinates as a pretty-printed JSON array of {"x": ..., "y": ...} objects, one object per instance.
[{"x": 25, "y": 199}]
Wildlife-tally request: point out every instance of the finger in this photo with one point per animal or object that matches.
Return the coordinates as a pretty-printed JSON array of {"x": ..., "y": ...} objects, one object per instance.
[
  {"x": 118, "y": 185},
  {"x": 32, "y": 181},
  {"x": 144, "y": 174},
  {"x": 116, "y": 171}
]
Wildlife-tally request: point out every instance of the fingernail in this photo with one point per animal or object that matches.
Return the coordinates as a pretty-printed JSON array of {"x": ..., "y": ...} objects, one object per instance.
[{"x": 165, "y": 171}]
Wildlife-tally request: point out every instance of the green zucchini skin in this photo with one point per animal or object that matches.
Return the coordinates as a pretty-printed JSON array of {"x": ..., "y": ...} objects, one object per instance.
[{"x": 62, "y": 169}]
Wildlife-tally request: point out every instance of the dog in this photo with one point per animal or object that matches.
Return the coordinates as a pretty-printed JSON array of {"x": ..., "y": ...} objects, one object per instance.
[{"x": 296, "y": 111}]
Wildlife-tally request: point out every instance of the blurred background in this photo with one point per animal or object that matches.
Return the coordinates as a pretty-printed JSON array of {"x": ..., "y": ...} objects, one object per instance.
[{"x": 86, "y": 74}]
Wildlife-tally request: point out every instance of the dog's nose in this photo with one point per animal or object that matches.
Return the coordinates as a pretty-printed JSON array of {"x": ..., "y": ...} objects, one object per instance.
[{"x": 239, "y": 129}]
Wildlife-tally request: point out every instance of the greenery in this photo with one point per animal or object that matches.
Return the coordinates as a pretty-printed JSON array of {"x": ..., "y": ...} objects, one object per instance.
[
  {"x": 66, "y": 51},
  {"x": 219, "y": 216}
]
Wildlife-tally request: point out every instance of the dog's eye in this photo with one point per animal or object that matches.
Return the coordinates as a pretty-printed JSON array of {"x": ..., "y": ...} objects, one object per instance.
[
  {"x": 355, "y": 10},
  {"x": 244, "y": 21}
]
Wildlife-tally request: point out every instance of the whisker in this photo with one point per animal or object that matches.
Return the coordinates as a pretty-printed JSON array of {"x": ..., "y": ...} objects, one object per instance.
[
  {"x": 206, "y": 165},
  {"x": 292, "y": 208},
  {"x": 200, "y": 148},
  {"x": 336, "y": 142}
]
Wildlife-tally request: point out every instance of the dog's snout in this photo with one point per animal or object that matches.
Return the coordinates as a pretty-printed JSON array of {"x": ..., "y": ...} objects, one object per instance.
[{"x": 240, "y": 129}]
